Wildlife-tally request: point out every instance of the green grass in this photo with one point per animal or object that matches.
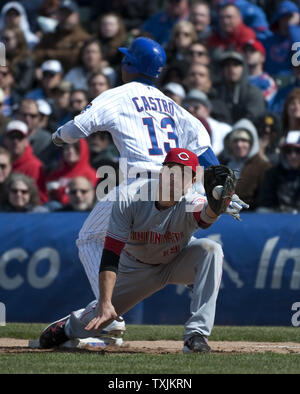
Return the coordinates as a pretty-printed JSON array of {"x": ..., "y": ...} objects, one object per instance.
[{"x": 111, "y": 363}]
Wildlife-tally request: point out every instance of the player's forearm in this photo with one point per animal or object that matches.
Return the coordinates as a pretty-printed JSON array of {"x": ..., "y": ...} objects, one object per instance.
[
  {"x": 107, "y": 280},
  {"x": 70, "y": 133}
]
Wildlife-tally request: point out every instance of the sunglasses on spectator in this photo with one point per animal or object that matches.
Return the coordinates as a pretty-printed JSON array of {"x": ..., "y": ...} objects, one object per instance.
[
  {"x": 4, "y": 73},
  {"x": 49, "y": 74},
  {"x": 16, "y": 136},
  {"x": 3, "y": 166},
  {"x": 82, "y": 191},
  {"x": 182, "y": 33},
  {"x": 198, "y": 53},
  {"x": 76, "y": 101},
  {"x": 16, "y": 191},
  {"x": 290, "y": 150},
  {"x": 28, "y": 115}
]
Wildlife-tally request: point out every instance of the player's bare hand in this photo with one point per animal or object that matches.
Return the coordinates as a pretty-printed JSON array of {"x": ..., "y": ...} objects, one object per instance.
[{"x": 107, "y": 313}]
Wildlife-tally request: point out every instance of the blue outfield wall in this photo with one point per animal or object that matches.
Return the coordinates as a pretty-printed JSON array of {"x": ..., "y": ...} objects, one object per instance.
[{"x": 41, "y": 277}]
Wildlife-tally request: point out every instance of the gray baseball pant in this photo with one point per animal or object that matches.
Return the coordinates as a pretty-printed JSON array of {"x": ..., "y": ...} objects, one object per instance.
[{"x": 199, "y": 263}]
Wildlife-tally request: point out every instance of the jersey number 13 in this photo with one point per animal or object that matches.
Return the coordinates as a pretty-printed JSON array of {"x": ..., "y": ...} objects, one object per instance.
[{"x": 165, "y": 122}]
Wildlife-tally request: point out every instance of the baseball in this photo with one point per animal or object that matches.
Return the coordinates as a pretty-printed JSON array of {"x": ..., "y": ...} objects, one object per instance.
[{"x": 217, "y": 191}]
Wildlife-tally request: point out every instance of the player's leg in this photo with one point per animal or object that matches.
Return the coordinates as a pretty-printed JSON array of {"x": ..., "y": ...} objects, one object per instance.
[{"x": 199, "y": 264}]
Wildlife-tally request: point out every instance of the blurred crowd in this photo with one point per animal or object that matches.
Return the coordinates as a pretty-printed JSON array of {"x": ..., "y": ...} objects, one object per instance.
[{"x": 235, "y": 65}]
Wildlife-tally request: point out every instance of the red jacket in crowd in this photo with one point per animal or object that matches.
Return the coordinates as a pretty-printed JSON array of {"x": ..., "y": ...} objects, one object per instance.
[
  {"x": 236, "y": 40},
  {"x": 30, "y": 165},
  {"x": 63, "y": 174}
]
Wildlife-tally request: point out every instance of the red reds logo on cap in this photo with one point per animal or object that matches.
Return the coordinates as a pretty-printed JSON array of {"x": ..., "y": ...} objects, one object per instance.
[{"x": 182, "y": 156}]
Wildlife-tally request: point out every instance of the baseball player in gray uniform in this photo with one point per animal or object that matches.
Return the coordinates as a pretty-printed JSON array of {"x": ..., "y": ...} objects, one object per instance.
[
  {"x": 144, "y": 124},
  {"x": 150, "y": 244}
]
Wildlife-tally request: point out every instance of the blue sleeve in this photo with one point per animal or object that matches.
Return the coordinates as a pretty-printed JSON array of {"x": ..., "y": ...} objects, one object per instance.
[{"x": 208, "y": 158}]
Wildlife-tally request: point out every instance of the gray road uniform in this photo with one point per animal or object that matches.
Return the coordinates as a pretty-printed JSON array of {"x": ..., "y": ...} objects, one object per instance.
[{"x": 156, "y": 248}]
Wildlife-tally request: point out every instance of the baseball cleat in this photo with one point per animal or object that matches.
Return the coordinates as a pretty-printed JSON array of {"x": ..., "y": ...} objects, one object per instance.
[
  {"x": 115, "y": 328},
  {"x": 54, "y": 334},
  {"x": 196, "y": 344}
]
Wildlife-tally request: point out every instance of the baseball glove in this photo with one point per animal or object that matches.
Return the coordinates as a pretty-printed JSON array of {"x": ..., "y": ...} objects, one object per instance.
[{"x": 223, "y": 176}]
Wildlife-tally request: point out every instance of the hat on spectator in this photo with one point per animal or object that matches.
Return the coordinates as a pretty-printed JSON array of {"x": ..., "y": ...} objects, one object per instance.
[
  {"x": 292, "y": 139},
  {"x": 2, "y": 96},
  {"x": 69, "y": 5},
  {"x": 64, "y": 86},
  {"x": 257, "y": 45},
  {"x": 174, "y": 88},
  {"x": 240, "y": 135},
  {"x": 53, "y": 66},
  {"x": 284, "y": 8},
  {"x": 17, "y": 125},
  {"x": 231, "y": 55},
  {"x": 196, "y": 95},
  {"x": 44, "y": 107}
]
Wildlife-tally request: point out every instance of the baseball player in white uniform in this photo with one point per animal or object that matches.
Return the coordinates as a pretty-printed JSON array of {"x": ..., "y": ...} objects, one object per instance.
[
  {"x": 144, "y": 124},
  {"x": 150, "y": 245}
]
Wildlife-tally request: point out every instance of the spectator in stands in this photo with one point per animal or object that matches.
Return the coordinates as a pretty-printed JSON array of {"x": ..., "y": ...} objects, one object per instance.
[
  {"x": 16, "y": 141},
  {"x": 281, "y": 95},
  {"x": 134, "y": 12},
  {"x": 81, "y": 195},
  {"x": 232, "y": 33},
  {"x": 161, "y": 24},
  {"x": 13, "y": 16},
  {"x": 253, "y": 16},
  {"x": 269, "y": 132},
  {"x": 281, "y": 186},
  {"x": 183, "y": 35},
  {"x": 52, "y": 73},
  {"x": 97, "y": 84},
  {"x": 111, "y": 32},
  {"x": 3, "y": 119},
  {"x": 60, "y": 105},
  {"x": 78, "y": 101},
  {"x": 20, "y": 195},
  {"x": 39, "y": 138},
  {"x": 175, "y": 91},
  {"x": 200, "y": 18},
  {"x": 241, "y": 153},
  {"x": 7, "y": 85},
  {"x": 75, "y": 162},
  {"x": 45, "y": 111},
  {"x": 91, "y": 61},
  {"x": 286, "y": 28},
  {"x": 65, "y": 43},
  {"x": 240, "y": 96},
  {"x": 199, "y": 105},
  {"x": 291, "y": 112},
  {"x": 5, "y": 167},
  {"x": 174, "y": 71},
  {"x": 19, "y": 58},
  {"x": 199, "y": 77},
  {"x": 198, "y": 53},
  {"x": 255, "y": 55},
  {"x": 103, "y": 152}
]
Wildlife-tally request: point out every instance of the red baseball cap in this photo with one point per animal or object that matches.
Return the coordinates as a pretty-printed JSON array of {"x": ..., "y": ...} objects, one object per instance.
[
  {"x": 182, "y": 156},
  {"x": 257, "y": 45}
]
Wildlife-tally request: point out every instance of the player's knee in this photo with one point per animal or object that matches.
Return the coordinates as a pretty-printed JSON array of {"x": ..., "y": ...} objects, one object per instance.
[{"x": 210, "y": 247}]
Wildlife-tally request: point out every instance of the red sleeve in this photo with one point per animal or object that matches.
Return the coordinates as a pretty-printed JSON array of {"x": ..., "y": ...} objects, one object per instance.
[{"x": 113, "y": 245}]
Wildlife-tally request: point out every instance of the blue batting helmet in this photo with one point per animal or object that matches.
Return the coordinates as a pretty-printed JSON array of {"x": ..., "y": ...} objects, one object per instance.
[{"x": 144, "y": 56}]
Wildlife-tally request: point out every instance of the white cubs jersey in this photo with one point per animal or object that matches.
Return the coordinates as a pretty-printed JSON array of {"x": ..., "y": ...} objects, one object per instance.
[
  {"x": 151, "y": 235},
  {"x": 144, "y": 124}
]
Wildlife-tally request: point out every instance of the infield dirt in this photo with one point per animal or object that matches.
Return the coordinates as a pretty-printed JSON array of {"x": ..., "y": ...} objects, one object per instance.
[{"x": 11, "y": 345}]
